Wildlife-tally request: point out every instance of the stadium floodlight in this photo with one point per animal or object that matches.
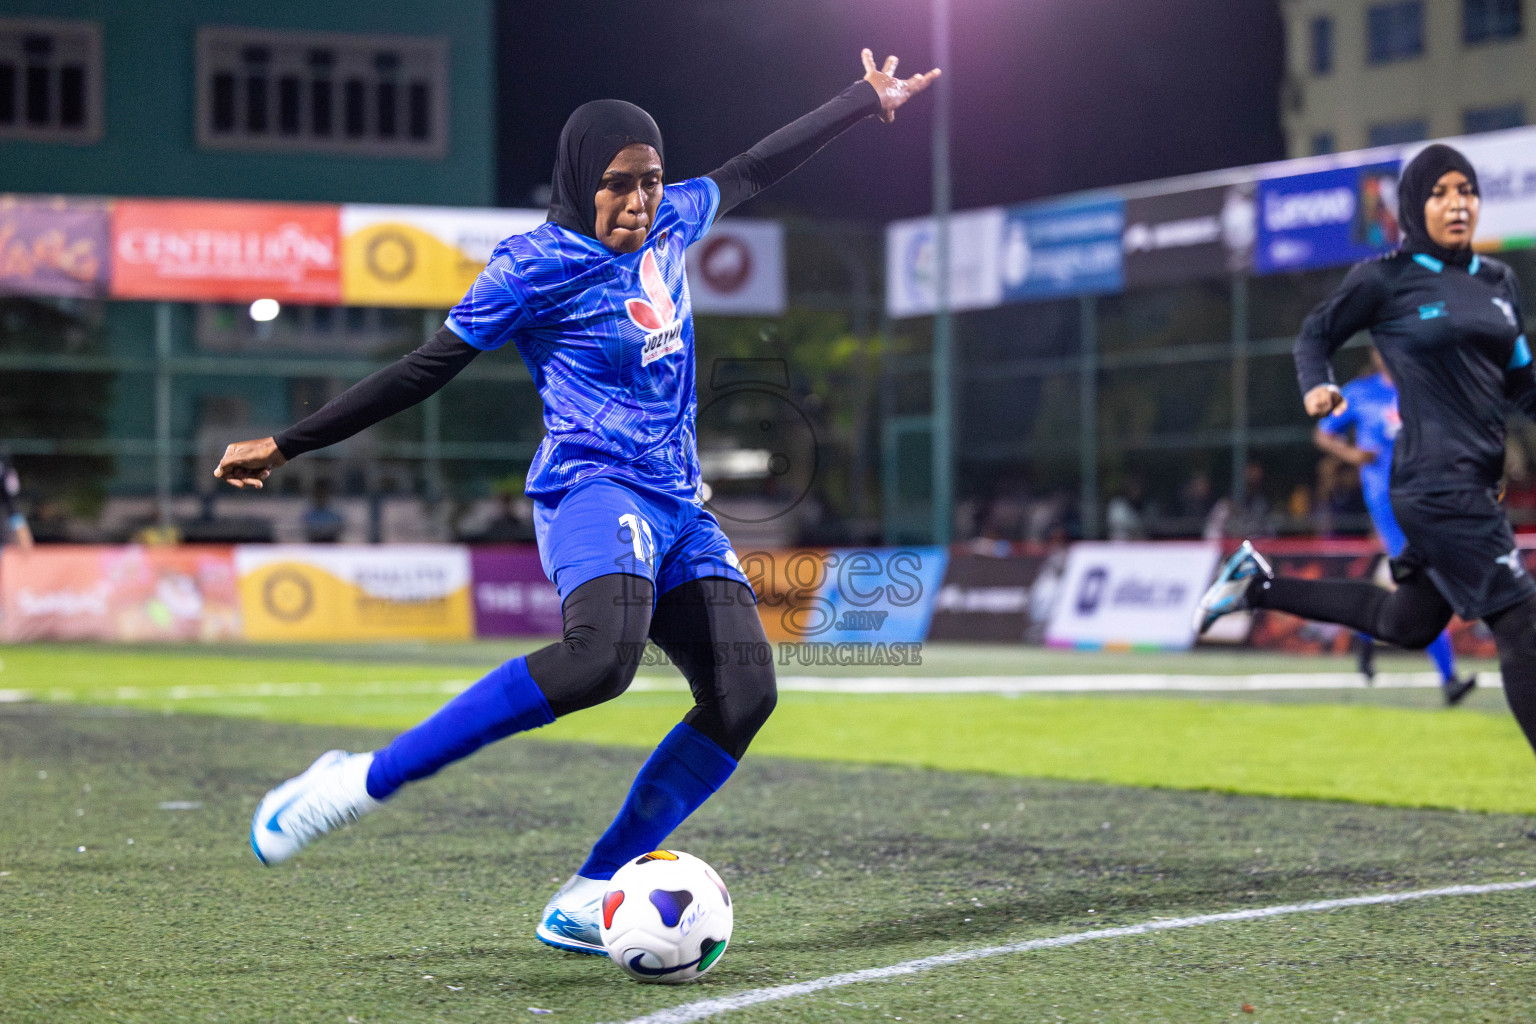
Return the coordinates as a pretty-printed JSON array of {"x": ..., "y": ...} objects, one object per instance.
[{"x": 263, "y": 310}]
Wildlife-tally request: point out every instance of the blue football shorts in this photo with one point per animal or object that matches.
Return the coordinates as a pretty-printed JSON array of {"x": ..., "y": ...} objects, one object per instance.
[{"x": 610, "y": 525}]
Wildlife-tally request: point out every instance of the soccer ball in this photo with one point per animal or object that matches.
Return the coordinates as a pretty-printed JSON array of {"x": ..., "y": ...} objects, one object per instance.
[{"x": 666, "y": 917}]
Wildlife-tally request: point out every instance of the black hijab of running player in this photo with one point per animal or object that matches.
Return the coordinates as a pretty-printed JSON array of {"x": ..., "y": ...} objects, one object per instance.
[
  {"x": 1413, "y": 191},
  {"x": 591, "y": 138}
]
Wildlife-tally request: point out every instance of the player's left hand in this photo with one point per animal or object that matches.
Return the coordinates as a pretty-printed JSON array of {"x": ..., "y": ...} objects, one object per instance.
[{"x": 893, "y": 91}]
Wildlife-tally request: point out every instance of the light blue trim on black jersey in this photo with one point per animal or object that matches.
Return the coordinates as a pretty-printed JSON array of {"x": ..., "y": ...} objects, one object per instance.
[
  {"x": 1522, "y": 355},
  {"x": 1428, "y": 262},
  {"x": 465, "y": 333}
]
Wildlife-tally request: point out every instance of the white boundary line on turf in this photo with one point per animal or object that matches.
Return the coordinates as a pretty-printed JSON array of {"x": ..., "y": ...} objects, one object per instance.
[{"x": 706, "y": 1008}]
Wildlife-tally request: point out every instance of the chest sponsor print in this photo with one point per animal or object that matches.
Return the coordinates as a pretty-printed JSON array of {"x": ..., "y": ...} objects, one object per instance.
[{"x": 656, "y": 314}]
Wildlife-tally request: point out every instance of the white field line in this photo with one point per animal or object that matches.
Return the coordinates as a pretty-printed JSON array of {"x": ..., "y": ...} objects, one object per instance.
[
  {"x": 706, "y": 1008},
  {"x": 1122, "y": 683}
]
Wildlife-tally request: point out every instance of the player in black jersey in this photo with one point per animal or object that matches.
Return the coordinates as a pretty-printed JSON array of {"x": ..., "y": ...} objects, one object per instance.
[{"x": 1448, "y": 323}]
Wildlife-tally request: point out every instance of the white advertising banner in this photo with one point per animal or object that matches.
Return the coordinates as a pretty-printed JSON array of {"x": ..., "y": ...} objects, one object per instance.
[
  {"x": 1131, "y": 595},
  {"x": 975, "y": 281},
  {"x": 1506, "y": 177},
  {"x": 737, "y": 269}
]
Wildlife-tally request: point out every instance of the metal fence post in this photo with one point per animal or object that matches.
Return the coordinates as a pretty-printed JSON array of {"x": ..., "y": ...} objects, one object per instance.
[
  {"x": 1240, "y": 431},
  {"x": 163, "y": 346},
  {"x": 1088, "y": 437}
]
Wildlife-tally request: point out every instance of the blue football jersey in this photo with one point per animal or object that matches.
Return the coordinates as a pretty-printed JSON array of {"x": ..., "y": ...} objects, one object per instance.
[
  {"x": 608, "y": 338},
  {"x": 1372, "y": 415}
]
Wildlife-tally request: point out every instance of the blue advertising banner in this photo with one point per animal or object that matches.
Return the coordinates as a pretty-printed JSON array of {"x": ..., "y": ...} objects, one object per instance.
[
  {"x": 880, "y": 595},
  {"x": 1063, "y": 249},
  {"x": 1327, "y": 218}
]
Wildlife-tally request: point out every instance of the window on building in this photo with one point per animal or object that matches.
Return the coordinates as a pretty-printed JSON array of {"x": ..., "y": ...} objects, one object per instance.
[
  {"x": 1323, "y": 142},
  {"x": 1487, "y": 21},
  {"x": 1493, "y": 119},
  {"x": 330, "y": 92},
  {"x": 1394, "y": 31},
  {"x": 1394, "y": 133},
  {"x": 50, "y": 80},
  {"x": 1322, "y": 45}
]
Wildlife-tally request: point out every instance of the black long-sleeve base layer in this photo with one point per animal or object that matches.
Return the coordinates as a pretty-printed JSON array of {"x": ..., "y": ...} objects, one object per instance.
[{"x": 1412, "y": 616}]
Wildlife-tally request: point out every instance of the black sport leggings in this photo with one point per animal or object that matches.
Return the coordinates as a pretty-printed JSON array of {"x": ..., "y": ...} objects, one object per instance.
[
  {"x": 1412, "y": 616},
  {"x": 708, "y": 627}
]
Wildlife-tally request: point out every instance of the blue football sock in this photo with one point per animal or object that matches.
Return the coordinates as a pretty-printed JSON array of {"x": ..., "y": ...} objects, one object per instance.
[
  {"x": 504, "y": 702},
  {"x": 1444, "y": 656},
  {"x": 683, "y": 772}
]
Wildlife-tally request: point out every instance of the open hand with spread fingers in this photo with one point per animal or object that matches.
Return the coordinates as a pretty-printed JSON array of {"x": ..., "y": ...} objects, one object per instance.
[
  {"x": 893, "y": 91},
  {"x": 248, "y": 463}
]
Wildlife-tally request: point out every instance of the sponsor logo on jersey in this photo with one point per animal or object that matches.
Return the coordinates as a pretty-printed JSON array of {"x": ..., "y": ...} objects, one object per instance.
[
  {"x": 656, "y": 314},
  {"x": 1512, "y": 561},
  {"x": 1432, "y": 311}
]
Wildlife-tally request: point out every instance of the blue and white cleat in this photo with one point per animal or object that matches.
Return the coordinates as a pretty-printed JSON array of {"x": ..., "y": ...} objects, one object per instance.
[
  {"x": 331, "y": 793},
  {"x": 1230, "y": 591},
  {"x": 573, "y": 918}
]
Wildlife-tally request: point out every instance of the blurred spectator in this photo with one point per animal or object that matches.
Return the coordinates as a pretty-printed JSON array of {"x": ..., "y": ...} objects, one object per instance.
[
  {"x": 1519, "y": 484},
  {"x": 10, "y": 493},
  {"x": 1339, "y": 506},
  {"x": 1257, "y": 516},
  {"x": 1123, "y": 516},
  {"x": 1193, "y": 506},
  {"x": 322, "y": 524},
  {"x": 512, "y": 523}
]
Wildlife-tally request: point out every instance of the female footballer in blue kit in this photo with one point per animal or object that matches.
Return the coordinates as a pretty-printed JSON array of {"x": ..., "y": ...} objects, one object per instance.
[{"x": 597, "y": 303}]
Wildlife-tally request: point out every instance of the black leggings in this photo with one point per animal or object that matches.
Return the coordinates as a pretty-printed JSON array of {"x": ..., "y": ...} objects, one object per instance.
[
  {"x": 1412, "y": 616},
  {"x": 708, "y": 627}
]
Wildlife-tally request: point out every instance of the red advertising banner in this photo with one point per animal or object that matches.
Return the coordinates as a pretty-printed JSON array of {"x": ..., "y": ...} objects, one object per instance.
[
  {"x": 53, "y": 245},
  {"x": 119, "y": 593},
  {"x": 209, "y": 251}
]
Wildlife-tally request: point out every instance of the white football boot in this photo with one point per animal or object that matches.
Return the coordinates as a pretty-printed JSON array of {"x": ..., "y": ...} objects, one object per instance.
[
  {"x": 332, "y": 792},
  {"x": 573, "y": 917},
  {"x": 1230, "y": 591}
]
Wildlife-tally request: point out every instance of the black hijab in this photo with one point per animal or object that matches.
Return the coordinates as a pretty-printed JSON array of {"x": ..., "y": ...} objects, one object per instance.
[
  {"x": 1413, "y": 191},
  {"x": 591, "y": 138}
]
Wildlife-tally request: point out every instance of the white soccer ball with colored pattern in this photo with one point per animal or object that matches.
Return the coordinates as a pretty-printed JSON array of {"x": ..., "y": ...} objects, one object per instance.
[{"x": 666, "y": 917}]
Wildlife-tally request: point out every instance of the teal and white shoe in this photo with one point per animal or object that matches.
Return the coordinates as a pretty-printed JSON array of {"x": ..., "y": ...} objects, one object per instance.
[
  {"x": 331, "y": 793},
  {"x": 1230, "y": 591},
  {"x": 573, "y": 918}
]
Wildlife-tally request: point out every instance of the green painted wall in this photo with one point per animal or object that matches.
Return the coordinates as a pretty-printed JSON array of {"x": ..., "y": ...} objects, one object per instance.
[{"x": 149, "y": 145}]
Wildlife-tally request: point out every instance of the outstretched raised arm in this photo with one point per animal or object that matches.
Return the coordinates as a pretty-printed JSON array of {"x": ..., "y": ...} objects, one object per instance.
[
  {"x": 380, "y": 395},
  {"x": 878, "y": 93}
]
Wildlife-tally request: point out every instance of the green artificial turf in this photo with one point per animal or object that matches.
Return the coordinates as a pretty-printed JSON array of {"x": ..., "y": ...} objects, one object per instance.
[
  {"x": 1384, "y": 747},
  {"x": 127, "y": 891}
]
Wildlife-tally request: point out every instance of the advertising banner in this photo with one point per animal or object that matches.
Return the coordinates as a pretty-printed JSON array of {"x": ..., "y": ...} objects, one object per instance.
[
  {"x": 420, "y": 256},
  {"x": 1327, "y": 218},
  {"x": 910, "y": 263},
  {"x": 130, "y": 593},
  {"x": 1506, "y": 180},
  {"x": 363, "y": 592},
  {"x": 53, "y": 245},
  {"x": 209, "y": 251},
  {"x": 1131, "y": 594},
  {"x": 512, "y": 595},
  {"x": 1063, "y": 249},
  {"x": 738, "y": 269},
  {"x": 993, "y": 599},
  {"x": 1186, "y": 236},
  {"x": 866, "y": 606}
]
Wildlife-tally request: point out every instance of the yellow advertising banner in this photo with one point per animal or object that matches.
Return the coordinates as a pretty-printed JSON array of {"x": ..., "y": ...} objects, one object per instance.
[
  {"x": 345, "y": 592},
  {"x": 422, "y": 257}
]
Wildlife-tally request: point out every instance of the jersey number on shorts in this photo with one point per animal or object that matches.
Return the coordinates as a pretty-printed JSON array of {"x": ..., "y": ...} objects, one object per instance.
[{"x": 639, "y": 536}]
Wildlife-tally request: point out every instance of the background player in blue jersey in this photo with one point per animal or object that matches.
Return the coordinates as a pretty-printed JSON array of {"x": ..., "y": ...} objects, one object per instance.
[
  {"x": 1362, "y": 432},
  {"x": 596, "y": 302}
]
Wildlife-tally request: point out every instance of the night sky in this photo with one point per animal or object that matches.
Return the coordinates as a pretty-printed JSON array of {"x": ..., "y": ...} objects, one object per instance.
[{"x": 1049, "y": 96}]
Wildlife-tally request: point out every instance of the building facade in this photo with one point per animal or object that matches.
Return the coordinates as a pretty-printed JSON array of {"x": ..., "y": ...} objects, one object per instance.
[
  {"x": 387, "y": 101},
  {"x": 1364, "y": 73}
]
